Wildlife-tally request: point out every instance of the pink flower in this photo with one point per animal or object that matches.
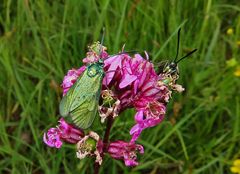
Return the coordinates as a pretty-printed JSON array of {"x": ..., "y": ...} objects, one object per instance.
[
  {"x": 126, "y": 151},
  {"x": 148, "y": 115},
  {"x": 136, "y": 84},
  {"x": 63, "y": 132},
  {"x": 131, "y": 78},
  {"x": 71, "y": 78},
  {"x": 52, "y": 138}
]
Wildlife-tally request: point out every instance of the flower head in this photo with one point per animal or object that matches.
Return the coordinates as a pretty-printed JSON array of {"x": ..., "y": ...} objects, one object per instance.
[
  {"x": 125, "y": 151},
  {"x": 52, "y": 138},
  {"x": 63, "y": 132},
  {"x": 131, "y": 79},
  {"x": 236, "y": 166},
  {"x": 135, "y": 84}
]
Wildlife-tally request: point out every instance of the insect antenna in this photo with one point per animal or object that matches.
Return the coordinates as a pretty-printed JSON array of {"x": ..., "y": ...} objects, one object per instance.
[
  {"x": 186, "y": 55},
  {"x": 103, "y": 35},
  {"x": 178, "y": 41},
  {"x": 127, "y": 52}
]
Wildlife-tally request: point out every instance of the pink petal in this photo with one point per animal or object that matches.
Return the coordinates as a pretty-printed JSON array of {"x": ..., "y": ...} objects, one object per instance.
[
  {"x": 134, "y": 129},
  {"x": 130, "y": 162},
  {"x": 58, "y": 144},
  {"x": 115, "y": 63},
  {"x": 139, "y": 116},
  {"x": 138, "y": 57},
  {"x": 46, "y": 141},
  {"x": 127, "y": 80},
  {"x": 135, "y": 86}
]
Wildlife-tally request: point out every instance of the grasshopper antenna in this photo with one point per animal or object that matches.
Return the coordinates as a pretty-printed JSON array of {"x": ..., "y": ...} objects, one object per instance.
[{"x": 178, "y": 41}]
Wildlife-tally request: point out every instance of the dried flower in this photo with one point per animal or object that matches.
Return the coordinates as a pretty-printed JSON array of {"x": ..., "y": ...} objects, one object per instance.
[
  {"x": 236, "y": 166},
  {"x": 178, "y": 88},
  {"x": 96, "y": 51},
  {"x": 110, "y": 106},
  {"x": 125, "y": 151},
  {"x": 90, "y": 145},
  {"x": 63, "y": 132}
]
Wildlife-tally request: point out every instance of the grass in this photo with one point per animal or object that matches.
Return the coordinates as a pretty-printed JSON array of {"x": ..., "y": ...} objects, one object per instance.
[{"x": 41, "y": 40}]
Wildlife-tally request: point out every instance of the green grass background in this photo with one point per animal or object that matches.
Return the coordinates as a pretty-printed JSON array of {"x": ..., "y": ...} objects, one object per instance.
[{"x": 40, "y": 40}]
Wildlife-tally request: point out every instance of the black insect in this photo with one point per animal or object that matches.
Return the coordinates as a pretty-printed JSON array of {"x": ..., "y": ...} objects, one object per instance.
[{"x": 171, "y": 68}]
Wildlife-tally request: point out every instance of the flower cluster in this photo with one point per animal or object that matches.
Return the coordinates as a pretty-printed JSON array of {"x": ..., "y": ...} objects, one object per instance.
[
  {"x": 63, "y": 132},
  {"x": 135, "y": 83},
  {"x": 129, "y": 82}
]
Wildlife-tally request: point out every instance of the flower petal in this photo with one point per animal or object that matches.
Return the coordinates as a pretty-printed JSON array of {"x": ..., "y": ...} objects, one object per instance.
[{"x": 127, "y": 80}]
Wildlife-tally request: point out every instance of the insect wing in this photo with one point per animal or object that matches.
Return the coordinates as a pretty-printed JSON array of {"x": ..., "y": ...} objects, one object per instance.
[
  {"x": 83, "y": 115},
  {"x": 81, "y": 101},
  {"x": 67, "y": 100}
]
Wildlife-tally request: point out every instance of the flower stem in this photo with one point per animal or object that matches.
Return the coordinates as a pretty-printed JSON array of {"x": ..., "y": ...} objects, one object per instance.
[
  {"x": 96, "y": 168},
  {"x": 105, "y": 143},
  {"x": 107, "y": 132}
]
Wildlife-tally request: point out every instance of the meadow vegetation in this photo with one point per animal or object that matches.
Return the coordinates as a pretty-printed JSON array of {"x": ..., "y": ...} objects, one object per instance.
[{"x": 40, "y": 40}]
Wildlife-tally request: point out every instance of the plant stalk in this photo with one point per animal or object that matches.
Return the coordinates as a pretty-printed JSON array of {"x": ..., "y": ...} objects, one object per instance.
[{"x": 105, "y": 143}]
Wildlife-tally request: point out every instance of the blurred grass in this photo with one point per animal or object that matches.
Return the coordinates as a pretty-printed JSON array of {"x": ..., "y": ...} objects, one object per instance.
[{"x": 41, "y": 40}]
